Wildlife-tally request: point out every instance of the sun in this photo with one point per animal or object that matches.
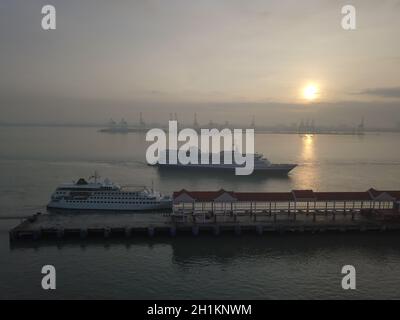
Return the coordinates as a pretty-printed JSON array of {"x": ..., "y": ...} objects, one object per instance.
[{"x": 310, "y": 92}]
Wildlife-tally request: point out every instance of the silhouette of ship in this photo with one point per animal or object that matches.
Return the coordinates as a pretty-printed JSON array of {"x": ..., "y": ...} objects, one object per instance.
[{"x": 261, "y": 164}]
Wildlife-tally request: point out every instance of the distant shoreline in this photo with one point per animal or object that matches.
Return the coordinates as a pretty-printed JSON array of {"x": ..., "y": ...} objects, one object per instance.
[{"x": 270, "y": 130}]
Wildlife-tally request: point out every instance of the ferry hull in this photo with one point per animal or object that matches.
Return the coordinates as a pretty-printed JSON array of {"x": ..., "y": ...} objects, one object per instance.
[{"x": 63, "y": 207}]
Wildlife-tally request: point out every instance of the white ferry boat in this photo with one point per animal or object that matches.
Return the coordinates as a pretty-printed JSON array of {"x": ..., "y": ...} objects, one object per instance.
[
  {"x": 106, "y": 196},
  {"x": 261, "y": 164}
]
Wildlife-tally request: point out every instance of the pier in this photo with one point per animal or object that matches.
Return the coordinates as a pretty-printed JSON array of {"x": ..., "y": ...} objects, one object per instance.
[{"x": 224, "y": 212}]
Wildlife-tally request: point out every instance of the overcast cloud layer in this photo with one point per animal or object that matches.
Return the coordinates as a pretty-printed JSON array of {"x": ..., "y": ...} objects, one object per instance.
[{"x": 225, "y": 59}]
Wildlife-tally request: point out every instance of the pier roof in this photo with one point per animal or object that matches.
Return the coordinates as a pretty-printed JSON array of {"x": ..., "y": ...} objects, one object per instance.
[
  {"x": 294, "y": 195},
  {"x": 304, "y": 195},
  {"x": 343, "y": 196},
  {"x": 395, "y": 194},
  {"x": 384, "y": 195},
  {"x": 201, "y": 195},
  {"x": 264, "y": 196}
]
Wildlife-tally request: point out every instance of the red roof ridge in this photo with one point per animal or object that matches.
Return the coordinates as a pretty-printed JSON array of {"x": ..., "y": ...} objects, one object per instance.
[{"x": 294, "y": 195}]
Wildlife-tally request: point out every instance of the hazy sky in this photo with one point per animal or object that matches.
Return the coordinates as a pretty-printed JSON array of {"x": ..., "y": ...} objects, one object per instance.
[{"x": 113, "y": 58}]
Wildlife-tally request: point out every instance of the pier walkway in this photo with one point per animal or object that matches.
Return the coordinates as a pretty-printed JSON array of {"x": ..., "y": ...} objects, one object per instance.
[
  {"x": 51, "y": 226},
  {"x": 235, "y": 212}
]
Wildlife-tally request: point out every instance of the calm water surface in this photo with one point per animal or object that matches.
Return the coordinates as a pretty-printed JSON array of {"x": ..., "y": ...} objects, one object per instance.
[{"x": 33, "y": 161}]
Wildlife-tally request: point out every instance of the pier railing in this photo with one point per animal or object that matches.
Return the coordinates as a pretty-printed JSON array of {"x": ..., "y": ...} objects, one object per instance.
[{"x": 274, "y": 216}]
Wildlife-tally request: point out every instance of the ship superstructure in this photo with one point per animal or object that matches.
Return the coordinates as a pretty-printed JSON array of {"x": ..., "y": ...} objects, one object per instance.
[
  {"x": 106, "y": 196},
  {"x": 261, "y": 163}
]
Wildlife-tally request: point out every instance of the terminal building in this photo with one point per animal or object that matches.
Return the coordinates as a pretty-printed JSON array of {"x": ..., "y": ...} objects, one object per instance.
[{"x": 297, "y": 202}]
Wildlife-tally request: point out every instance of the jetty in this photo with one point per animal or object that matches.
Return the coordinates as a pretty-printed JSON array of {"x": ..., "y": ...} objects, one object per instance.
[{"x": 228, "y": 212}]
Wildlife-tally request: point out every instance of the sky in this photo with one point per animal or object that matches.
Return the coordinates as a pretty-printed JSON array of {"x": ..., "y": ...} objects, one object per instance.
[{"x": 224, "y": 59}]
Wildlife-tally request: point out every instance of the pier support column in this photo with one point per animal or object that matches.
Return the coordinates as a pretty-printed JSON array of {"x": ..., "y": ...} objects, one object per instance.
[
  {"x": 37, "y": 234},
  {"x": 128, "y": 232},
  {"x": 172, "y": 231},
  {"x": 107, "y": 233},
  {"x": 238, "y": 230},
  {"x": 195, "y": 230},
  {"x": 274, "y": 217},
  {"x": 60, "y": 233},
  {"x": 83, "y": 233},
  {"x": 314, "y": 216},
  {"x": 151, "y": 231}
]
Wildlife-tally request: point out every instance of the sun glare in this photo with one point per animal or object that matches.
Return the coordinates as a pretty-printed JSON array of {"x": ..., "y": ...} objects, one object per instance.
[{"x": 310, "y": 92}]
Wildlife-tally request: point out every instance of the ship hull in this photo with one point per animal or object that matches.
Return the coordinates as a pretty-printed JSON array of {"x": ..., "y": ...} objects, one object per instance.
[
  {"x": 82, "y": 207},
  {"x": 273, "y": 169}
]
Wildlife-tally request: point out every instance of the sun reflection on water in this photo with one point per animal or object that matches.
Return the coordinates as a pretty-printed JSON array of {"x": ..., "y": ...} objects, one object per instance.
[
  {"x": 308, "y": 152},
  {"x": 307, "y": 174}
]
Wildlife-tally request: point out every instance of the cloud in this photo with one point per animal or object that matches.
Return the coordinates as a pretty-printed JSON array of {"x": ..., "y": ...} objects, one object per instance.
[{"x": 389, "y": 92}]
